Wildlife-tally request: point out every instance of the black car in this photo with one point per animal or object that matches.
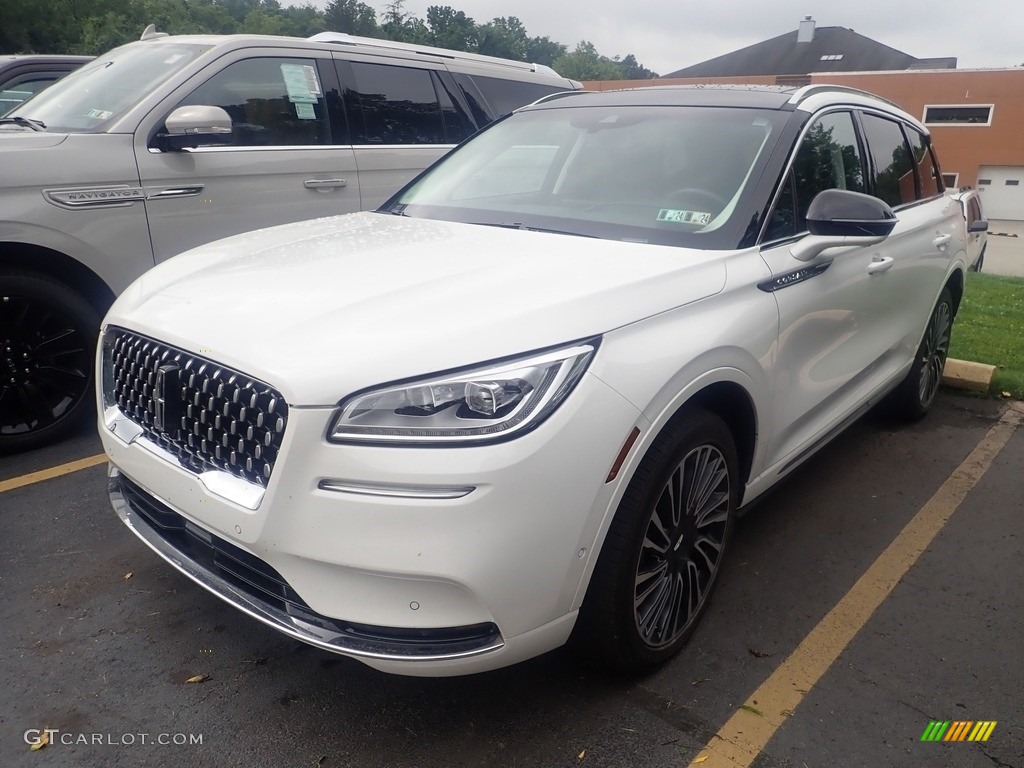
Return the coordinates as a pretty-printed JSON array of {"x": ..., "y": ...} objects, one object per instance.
[{"x": 24, "y": 76}]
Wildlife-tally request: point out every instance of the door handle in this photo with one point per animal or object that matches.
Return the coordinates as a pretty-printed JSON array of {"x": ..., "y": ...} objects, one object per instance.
[
  {"x": 941, "y": 240},
  {"x": 325, "y": 185},
  {"x": 880, "y": 264},
  {"x": 190, "y": 191}
]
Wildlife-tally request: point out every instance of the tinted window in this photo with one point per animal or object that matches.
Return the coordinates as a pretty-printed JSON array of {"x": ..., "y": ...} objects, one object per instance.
[
  {"x": 505, "y": 96},
  {"x": 272, "y": 102},
  {"x": 928, "y": 175},
  {"x": 893, "y": 168},
  {"x": 457, "y": 124},
  {"x": 829, "y": 157},
  {"x": 973, "y": 210},
  {"x": 397, "y": 105}
]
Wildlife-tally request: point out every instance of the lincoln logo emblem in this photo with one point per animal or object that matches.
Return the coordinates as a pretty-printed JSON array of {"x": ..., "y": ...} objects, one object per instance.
[{"x": 166, "y": 398}]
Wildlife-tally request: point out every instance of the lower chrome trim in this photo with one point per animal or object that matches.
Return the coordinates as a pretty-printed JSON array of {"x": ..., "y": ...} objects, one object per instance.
[
  {"x": 397, "y": 491},
  {"x": 323, "y": 637}
]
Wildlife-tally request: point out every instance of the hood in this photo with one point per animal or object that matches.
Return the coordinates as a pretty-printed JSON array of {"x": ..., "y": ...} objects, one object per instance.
[
  {"x": 18, "y": 138},
  {"x": 322, "y": 308}
]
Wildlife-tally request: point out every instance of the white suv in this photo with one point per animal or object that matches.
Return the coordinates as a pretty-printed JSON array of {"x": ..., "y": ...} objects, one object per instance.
[
  {"x": 170, "y": 142},
  {"x": 525, "y": 399}
]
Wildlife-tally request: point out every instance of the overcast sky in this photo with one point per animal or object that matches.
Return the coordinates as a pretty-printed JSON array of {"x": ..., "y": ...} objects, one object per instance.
[{"x": 668, "y": 35}]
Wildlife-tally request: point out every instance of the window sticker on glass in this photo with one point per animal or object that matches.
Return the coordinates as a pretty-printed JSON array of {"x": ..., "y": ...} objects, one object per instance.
[
  {"x": 305, "y": 111},
  {"x": 98, "y": 114},
  {"x": 684, "y": 217},
  {"x": 301, "y": 82}
]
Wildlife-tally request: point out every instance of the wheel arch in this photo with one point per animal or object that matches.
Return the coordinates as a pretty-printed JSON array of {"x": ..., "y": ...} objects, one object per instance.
[
  {"x": 40, "y": 260},
  {"x": 955, "y": 284}
]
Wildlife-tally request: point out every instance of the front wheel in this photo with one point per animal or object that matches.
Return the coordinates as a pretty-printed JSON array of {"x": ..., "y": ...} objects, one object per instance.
[
  {"x": 912, "y": 399},
  {"x": 47, "y": 342},
  {"x": 665, "y": 548}
]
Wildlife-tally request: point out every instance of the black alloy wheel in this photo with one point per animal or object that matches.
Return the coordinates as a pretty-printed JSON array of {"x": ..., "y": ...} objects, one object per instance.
[
  {"x": 914, "y": 396},
  {"x": 665, "y": 548},
  {"x": 47, "y": 346}
]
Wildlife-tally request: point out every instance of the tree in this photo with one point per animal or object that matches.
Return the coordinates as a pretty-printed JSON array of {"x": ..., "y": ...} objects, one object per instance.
[
  {"x": 401, "y": 26},
  {"x": 544, "y": 50},
  {"x": 452, "y": 29},
  {"x": 504, "y": 37},
  {"x": 633, "y": 70},
  {"x": 585, "y": 63},
  {"x": 351, "y": 17}
]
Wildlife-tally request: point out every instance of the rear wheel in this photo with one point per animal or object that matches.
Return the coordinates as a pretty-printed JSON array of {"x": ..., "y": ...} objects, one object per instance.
[
  {"x": 916, "y": 393},
  {"x": 47, "y": 343},
  {"x": 665, "y": 548}
]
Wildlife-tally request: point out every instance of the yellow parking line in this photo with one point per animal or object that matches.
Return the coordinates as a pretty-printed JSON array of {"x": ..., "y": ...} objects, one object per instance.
[
  {"x": 48, "y": 474},
  {"x": 747, "y": 732}
]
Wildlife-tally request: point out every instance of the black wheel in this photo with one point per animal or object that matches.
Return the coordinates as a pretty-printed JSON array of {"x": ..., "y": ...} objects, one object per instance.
[
  {"x": 665, "y": 548},
  {"x": 47, "y": 342},
  {"x": 916, "y": 393}
]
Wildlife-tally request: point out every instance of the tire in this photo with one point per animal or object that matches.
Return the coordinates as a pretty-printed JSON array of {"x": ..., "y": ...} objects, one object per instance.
[
  {"x": 47, "y": 347},
  {"x": 651, "y": 585},
  {"x": 914, "y": 396}
]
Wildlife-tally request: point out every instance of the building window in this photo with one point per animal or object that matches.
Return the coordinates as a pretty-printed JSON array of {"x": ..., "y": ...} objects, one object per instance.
[
  {"x": 950, "y": 180},
  {"x": 1012, "y": 182},
  {"x": 832, "y": 57},
  {"x": 958, "y": 114},
  {"x": 984, "y": 182}
]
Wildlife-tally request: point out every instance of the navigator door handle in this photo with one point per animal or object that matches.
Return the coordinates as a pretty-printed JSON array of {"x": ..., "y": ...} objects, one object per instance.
[
  {"x": 190, "y": 191},
  {"x": 325, "y": 185},
  {"x": 942, "y": 240},
  {"x": 880, "y": 264}
]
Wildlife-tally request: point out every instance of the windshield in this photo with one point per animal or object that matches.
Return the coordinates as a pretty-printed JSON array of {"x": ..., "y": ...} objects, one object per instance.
[
  {"x": 671, "y": 175},
  {"x": 88, "y": 98}
]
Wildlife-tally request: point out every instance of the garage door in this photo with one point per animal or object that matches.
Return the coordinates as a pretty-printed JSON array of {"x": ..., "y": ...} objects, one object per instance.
[{"x": 1002, "y": 191}]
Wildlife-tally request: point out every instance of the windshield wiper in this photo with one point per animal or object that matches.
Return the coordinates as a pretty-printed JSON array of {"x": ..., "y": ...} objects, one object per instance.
[
  {"x": 526, "y": 228},
  {"x": 35, "y": 125}
]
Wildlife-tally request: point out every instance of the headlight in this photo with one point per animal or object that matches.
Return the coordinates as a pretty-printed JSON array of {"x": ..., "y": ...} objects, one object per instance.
[{"x": 486, "y": 403}]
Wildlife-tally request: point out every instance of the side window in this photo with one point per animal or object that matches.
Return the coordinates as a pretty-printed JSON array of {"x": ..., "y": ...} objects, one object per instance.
[
  {"x": 273, "y": 102},
  {"x": 457, "y": 124},
  {"x": 893, "y": 166},
  {"x": 828, "y": 157},
  {"x": 927, "y": 170},
  {"x": 505, "y": 96},
  {"x": 398, "y": 105},
  {"x": 973, "y": 210}
]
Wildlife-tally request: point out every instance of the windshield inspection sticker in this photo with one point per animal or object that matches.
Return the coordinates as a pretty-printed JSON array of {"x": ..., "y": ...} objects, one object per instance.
[
  {"x": 684, "y": 217},
  {"x": 301, "y": 83}
]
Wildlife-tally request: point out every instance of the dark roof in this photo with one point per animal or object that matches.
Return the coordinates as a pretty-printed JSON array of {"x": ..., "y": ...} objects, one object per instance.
[{"x": 783, "y": 55}]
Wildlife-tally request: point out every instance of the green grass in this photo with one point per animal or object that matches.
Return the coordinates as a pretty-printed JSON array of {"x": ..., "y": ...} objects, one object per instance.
[{"x": 989, "y": 328}]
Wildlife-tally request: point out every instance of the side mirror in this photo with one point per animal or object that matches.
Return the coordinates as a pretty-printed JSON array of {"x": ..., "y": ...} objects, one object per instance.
[
  {"x": 839, "y": 217},
  {"x": 978, "y": 225},
  {"x": 195, "y": 126}
]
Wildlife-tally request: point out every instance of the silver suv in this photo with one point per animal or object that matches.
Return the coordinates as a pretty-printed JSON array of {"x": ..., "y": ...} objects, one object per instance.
[{"x": 171, "y": 142}]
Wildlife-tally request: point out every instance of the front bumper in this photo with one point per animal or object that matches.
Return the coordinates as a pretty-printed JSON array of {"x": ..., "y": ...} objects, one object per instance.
[{"x": 415, "y": 582}]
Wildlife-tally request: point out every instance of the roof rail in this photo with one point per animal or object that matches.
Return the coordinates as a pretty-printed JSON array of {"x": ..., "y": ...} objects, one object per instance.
[
  {"x": 344, "y": 38},
  {"x": 810, "y": 90}
]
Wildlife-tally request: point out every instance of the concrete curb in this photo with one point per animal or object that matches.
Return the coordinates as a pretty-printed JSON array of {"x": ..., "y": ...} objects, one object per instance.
[{"x": 961, "y": 374}]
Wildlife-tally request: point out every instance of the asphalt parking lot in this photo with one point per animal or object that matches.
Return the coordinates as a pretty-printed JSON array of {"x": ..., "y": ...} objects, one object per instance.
[
  {"x": 1004, "y": 254},
  {"x": 793, "y": 666}
]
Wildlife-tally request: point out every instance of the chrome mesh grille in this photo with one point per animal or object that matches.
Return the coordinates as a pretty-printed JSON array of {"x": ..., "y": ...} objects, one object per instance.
[{"x": 206, "y": 414}]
